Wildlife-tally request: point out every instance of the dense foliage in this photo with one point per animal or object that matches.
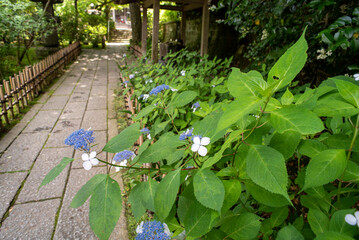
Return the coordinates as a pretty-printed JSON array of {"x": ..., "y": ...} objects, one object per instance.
[
  {"x": 232, "y": 155},
  {"x": 268, "y": 28}
]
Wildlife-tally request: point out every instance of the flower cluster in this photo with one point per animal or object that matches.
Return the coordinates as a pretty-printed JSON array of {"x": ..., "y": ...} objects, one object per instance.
[
  {"x": 264, "y": 34},
  {"x": 80, "y": 139},
  {"x": 158, "y": 89},
  {"x": 195, "y": 106},
  {"x": 356, "y": 76},
  {"x": 153, "y": 230},
  {"x": 199, "y": 144},
  {"x": 352, "y": 219},
  {"x": 323, "y": 54},
  {"x": 131, "y": 76},
  {"x": 146, "y": 131},
  {"x": 122, "y": 158},
  {"x": 186, "y": 134},
  {"x": 183, "y": 73},
  {"x": 144, "y": 97}
]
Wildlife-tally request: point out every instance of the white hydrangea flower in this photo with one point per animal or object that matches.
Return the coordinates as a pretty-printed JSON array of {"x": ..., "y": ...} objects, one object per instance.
[
  {"x": 352, "y": 219},
  {"x": 148, "y": 81},
  {"x": 183, "y": 73},
  {"x": 149, "y": 136},
  {"x": 89, "y": 160},
  {"x": 356, "y": 76},
  {"x": 173, "y": 89},
  {"x": 139, "y": 228},
  {"x": 123, "y": 163},
  {"x": 198, "y": 145},
  {"x": 167, "y": 230}
]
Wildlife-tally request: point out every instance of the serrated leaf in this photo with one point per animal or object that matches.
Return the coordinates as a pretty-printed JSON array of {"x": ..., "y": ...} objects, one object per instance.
[
  {"x": 232, "y": 190},
  {"x": 183, "y": 99},
  {"x": 325, "y": 167},
  {"x": 208, "y": 189},
  {"x": 266, "y": 167},
  {"x": 318, "y": 221},
  {"x": 297, "y": 119},
  {"x": 288, "y": 65},
  {"x": 349, "y": 91},
  {"x": 242, "y": 227},
  {"x": 289, "y": 233},
  {"x": 149, "y": 190},
  {"x": 287, "y": 98},
  {"x": 135, "y": 199},
  {"x": 166, "y": 193},
  {"x": 245, "y": 84},
  {"x": 286, "y": 142},
  {"x": 124, "y": 140},
  {"x": 337, "y": 223},
  {"x": 105, "y": 208},
  {"x": 86, "y": 190},
  {"x": 330, "y": 107},
  {"x": 311, "y": 147},
  {"x": 144, "y": 112},
  {"x": 56, "y": 171},
  {"x": 351, "y": 173},
  {"x": 278, "y": 216}
]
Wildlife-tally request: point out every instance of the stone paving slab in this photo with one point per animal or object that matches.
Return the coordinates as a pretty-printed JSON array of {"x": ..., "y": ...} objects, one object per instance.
[
  {"x": 22, "y": 152},
  {"x": 74, "y": 223},
  {"x": 44, "y": 121},
  {"x": 31, "y": 221},
  {"x": 64, "y": 89},
  {"x": 31, "y": 113},
  {"x": 99, "y": 90},
  {"x": 97, "y": 102},
  {"x": 79, "y": 96},
  {"x": 95, "y": 119},
  {"x": 74, "y": 110},
  {"x": 11, "y": 135},
  {"x": 10, "y": 184},
  {"x": 47, "y": 160},
  {"x": 56, "y": 102}
]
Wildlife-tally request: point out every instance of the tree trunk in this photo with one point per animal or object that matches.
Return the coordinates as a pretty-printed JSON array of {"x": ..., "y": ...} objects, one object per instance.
[
  {"x": 136, "y": 26},
  {"x": 76, "y": 21}
]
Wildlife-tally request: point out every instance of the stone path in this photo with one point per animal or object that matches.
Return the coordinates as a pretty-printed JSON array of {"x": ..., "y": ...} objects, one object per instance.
[{"x": 82, "y": 98}]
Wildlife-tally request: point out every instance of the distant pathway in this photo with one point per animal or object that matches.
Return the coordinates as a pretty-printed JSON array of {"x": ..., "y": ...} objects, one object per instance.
[{"x": 82, "y": 98}]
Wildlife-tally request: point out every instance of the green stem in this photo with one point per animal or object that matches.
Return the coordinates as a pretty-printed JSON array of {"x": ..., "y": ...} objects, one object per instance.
[{"x": 356, "y": 127}]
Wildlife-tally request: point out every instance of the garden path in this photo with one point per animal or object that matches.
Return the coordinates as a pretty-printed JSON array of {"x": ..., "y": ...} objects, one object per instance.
[{"x": 81, "y": 98}]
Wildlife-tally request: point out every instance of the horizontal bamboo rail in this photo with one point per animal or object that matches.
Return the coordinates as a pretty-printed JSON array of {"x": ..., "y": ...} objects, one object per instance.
[{"x": 22, "y": 88}]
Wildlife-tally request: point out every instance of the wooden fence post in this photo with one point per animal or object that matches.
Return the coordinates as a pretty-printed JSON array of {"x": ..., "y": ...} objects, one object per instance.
[{"x": 3, "y": 104}]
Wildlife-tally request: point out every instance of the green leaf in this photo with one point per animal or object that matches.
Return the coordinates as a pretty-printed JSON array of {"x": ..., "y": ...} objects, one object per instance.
[
  {"x": 265, "y": 197},
  {"x": 144, "y": 112},
  {"x": 318, "y": 221},
  {"x": 135, "y": 199},
  {"x": 232, "y": 190},
  {"x": 246, "y": 84},
  {"x": 325, "y": 167},
  {"x": 56, "y": 171},
  {"x": 289, "y": 64},
  {"x": 242, "y": 227},
  {"x": 227, "y": 172},
  {"x": 330, "y": 107},
  {"x": 297, "y": 119},
  {"x": 166, "y": 193},
  {"x": 349, "y": 91},
  {"x": 124, "y": 140},
  {"x": 183, "y": 99},
  {"x": 164, "y": 148},
  {"x": 86, "y": 190},
  {"x": 266, "y": 167},
  {"x": 351, "y": 173},
  {"x": 161, "y": 126},
  {"x": 311, "y": 147},
  {"x": 287, "y": 98},
  {"x": 208, "y": 189},
  {"x": 237, "y": 109},
  {"x": 286, "y": 143},
  {"x": 337, "y": 223},
  {"x": 278, "y": 216},
  {"x": 289, "y": 233},
  {"x": 341, "y": 141},
  {"x": 330, "y": 235},
  {"x": 105, "y": 208},
  {"x": 149, "y": 191}
]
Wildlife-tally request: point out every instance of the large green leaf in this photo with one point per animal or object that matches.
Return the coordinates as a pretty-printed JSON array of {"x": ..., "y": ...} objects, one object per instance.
[
  {"x": 288, "y": 65},
  {"x": 266, "y": 167},
  {"x": 166, "y": 193},
  {"x": 164, "y": 148},
  {"x": 246, "y": 84},
  {"x": 351, "y": 173},
  {"x": 208, "y": 189},
  {"x": 330, "y": 107},
  {"x": 56, "y": 171},
  {"x": 325, "y": 167},
  {"x": 337, "y": 223},
  {"x": 124, "y": 140},
  {"x": 265, "y": 197},
  {"x": 286, "y": 143},
  {"x": 86, "y": 190},
  {"x": 311, "y": 147},
  {"x": 318, "y": 221},
  {"x": 105, "y": 208},
  {"x": 183, "y": 99},
  {"x": 144, "y": 112},
  {"x": 242, "y": 227},
  {"x": 135, "y": 199},
  {"x": 297, "y": 119},
  {"x": 239, "y": 108},
  {"x": 289, "y": 233},
  {"x": 278, "y": 216},
  {"x": 349, "y": 91},
  {"x": 232, "y": 190},
  {"x": 330, "y": 235},
  {"x": 149, "y": 191}
]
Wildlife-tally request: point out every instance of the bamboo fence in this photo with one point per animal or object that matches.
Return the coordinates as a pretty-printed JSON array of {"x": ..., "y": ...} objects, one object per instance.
[{"x": 22, "y": 88}]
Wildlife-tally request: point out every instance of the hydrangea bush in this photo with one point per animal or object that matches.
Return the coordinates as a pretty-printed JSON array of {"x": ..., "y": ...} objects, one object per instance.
[{"x": 256, "y": 159}]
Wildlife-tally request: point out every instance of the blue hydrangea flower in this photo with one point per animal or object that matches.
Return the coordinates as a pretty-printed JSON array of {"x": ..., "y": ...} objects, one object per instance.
[
  {"x": 195, "y": 106},
  {"x": 153, "y": 230},
  {"x": 124, "y": 155},
  {"x": 80, "y": 139},
  {"x": 186, "y": 134},
  {"x": 158, "y": 89},
  {"x": 131, "y": 76},
  {"x": 144, "y": 97},
  {"x": 146, "y": 131}
]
